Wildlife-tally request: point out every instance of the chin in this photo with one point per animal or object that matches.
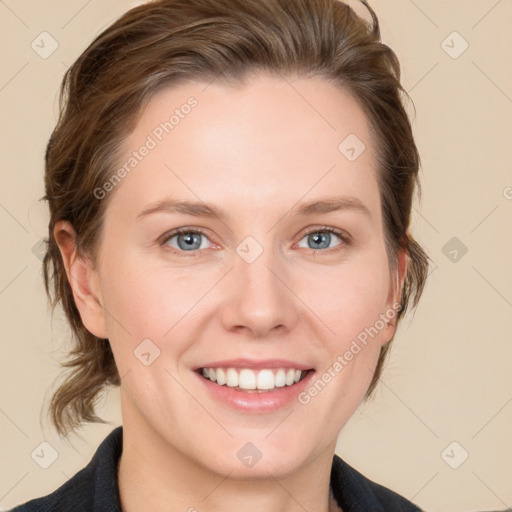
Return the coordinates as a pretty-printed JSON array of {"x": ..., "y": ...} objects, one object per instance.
[
  {"x": 247, "y": 460},
  {"x": 261, "y": 470}
]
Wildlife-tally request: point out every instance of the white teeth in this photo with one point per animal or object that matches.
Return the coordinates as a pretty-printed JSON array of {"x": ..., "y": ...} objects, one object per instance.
[
  {"x": 280, "y": 378},
  {"x": 221, "y": 376},
  {"x": 250, "y": 380},
  {"x": 247, "y": 379},
  {"x": 265, "y": 380},
  {"x": 231, "y": 378}
]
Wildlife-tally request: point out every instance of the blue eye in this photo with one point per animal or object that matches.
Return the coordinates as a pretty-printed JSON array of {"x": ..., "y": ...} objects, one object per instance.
[
  {"x": 186, "y": 240},
  {"x": 321, "y": 238},
  {"x": 190, "y": 242}
]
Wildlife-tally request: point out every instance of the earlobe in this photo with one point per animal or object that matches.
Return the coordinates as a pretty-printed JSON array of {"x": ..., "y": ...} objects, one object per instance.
[
  {"x": 83, "y": 280},
  {"x": 395, "y": 296}
]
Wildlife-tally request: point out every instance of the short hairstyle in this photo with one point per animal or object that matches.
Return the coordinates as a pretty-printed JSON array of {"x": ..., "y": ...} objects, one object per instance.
[{"x": 164, "y": 42}]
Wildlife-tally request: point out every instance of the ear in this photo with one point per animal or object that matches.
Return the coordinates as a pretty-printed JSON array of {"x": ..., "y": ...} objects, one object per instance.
[
  {"x": 395, "y": 296},
  {"x": 83, "y": 279}
]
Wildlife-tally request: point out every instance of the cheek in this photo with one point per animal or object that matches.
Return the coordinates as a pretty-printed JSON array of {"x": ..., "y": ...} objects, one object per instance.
[
  {"x": 150, "y": 302},
  {"x": 350, "y": 303},
  {"x": 348, "y": 298}
]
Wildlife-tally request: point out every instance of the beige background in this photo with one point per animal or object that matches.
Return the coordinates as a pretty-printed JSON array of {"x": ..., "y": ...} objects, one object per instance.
[{"x": 448, "y": 378}]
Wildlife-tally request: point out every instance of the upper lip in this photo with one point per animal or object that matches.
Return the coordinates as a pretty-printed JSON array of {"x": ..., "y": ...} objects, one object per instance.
[{"x": 256, "y": 364}]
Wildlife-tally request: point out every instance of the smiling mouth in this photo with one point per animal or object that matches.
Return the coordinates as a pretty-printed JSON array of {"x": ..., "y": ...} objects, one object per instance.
[{"x": 251, "y": 381}]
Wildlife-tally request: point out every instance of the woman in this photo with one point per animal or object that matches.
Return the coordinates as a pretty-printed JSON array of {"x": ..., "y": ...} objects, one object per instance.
[{"x": 230, "y": 185}]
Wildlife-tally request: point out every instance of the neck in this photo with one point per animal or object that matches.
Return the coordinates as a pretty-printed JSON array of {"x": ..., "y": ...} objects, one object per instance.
[{"x": 153, "y": 475}]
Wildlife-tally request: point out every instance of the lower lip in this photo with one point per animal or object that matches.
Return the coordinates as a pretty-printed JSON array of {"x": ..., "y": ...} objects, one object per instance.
[{"x": 257, "y": 402}]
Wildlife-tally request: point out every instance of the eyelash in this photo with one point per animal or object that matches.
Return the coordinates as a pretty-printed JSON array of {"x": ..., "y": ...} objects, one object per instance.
[{"x": 342, "y": 235}]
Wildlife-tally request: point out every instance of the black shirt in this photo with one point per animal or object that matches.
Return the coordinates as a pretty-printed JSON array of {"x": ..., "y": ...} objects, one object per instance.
[{"x": 94, "y": 488}]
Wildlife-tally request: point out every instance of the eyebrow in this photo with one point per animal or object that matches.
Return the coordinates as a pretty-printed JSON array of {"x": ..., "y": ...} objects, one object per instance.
[{"x": 202, "y": 209}]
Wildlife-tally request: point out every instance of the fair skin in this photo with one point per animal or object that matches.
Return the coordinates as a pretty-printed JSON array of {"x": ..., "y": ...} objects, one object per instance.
[{"x": 257, "y": 152}]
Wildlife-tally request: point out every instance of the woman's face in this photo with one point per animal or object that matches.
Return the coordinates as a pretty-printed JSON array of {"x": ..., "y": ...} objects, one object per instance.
[{"x": 286, "y": 274}]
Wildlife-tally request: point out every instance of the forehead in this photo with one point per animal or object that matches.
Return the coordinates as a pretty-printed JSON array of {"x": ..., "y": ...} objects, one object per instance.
[{"x": 272, "y": 139}]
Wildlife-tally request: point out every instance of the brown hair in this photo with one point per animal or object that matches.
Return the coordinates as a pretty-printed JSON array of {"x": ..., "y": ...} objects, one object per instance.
[{"x": 161, "y": 42}]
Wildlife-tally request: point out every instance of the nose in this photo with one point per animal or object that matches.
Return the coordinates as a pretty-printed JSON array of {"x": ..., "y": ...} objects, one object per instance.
[{"x": 258, "y": 299}]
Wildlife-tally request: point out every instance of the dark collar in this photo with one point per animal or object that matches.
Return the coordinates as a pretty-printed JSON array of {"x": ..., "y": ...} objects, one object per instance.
[
  {"x": 356, "y": 493},
  {"x": 94, "y": 488}
]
